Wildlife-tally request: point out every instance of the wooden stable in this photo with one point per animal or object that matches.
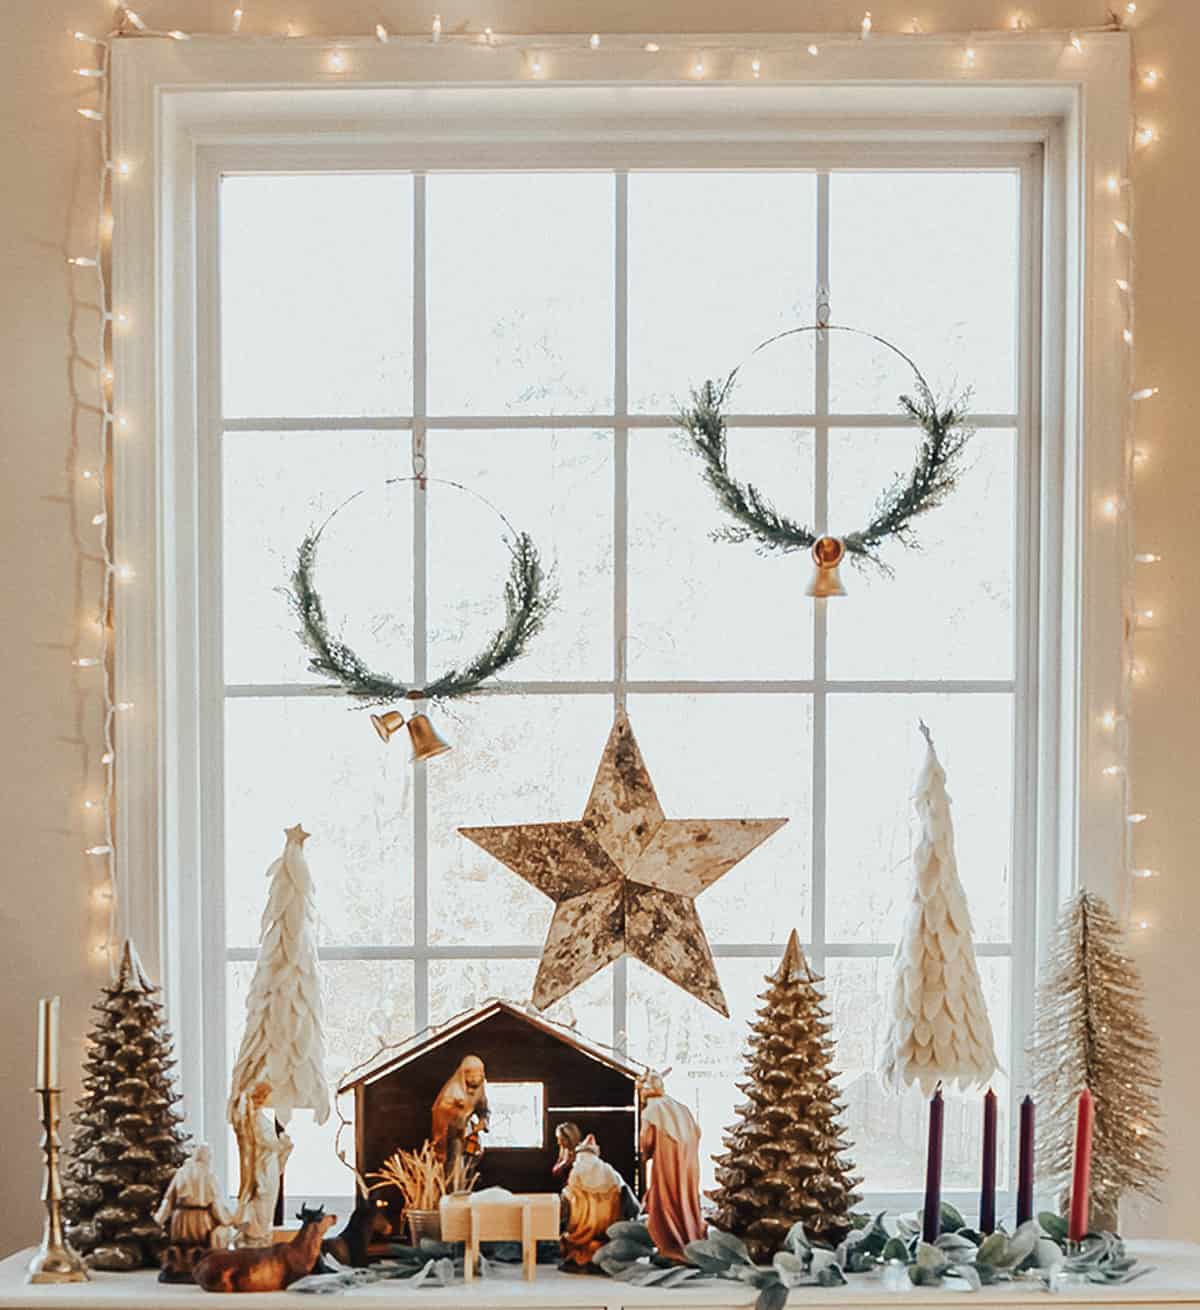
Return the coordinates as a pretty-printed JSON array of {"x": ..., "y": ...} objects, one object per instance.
[{"x": 580, "y": 1083}]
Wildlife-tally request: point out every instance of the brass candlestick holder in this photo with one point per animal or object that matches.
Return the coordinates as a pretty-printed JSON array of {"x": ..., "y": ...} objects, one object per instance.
[{"x": 55, "y": 1261}]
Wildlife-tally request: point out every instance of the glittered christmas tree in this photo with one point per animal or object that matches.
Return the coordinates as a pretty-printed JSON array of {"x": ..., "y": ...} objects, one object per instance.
[
  {"x": 127, "y": 1142},
  {"x": 1092, "y": 1032},
  {"x": 783, "y": 1161}
]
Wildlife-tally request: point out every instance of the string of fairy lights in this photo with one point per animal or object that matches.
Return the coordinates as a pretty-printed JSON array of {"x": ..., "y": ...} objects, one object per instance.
[{"x": 681, "y": 57}]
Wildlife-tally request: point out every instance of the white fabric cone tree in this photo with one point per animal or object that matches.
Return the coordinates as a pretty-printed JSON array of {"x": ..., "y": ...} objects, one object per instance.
[
  {"x": 939, "y": 1029},
  {"x": 284, "y": 1041}
]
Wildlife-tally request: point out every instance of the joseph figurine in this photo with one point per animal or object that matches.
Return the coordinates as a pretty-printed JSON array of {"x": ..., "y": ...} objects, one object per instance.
[{"x": 670, "y": 1141}]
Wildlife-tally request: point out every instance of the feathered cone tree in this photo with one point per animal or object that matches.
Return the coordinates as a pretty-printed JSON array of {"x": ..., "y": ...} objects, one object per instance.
[
  {"x": 1091, "y": 1031},
  {"x": 783, "y": 1161},
  {"x": 283, "y": 1043},
  {"x": 939, "y": 1029},
  {"x": 127, "y": 1142}
]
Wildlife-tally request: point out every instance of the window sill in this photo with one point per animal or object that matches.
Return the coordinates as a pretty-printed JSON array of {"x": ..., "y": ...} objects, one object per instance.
[{"x": 1175, "y": 1279}]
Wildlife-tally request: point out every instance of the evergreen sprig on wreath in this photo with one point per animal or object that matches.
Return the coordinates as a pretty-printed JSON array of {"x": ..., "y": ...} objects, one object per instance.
[
  {"x": 934, "y": 474},
  {"x": 529, "y": 596}
]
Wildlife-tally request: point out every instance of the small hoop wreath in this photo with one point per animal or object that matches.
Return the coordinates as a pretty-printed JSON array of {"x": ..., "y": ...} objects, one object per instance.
[
  {"x": 933, "y": 477},
  {"x": 529, "y": 596}
]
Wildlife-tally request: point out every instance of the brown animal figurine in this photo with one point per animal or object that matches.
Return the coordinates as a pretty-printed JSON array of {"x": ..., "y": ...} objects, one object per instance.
[
  {"x": 353, "y": 1244},
  {"x": 267, "y": 1268}
]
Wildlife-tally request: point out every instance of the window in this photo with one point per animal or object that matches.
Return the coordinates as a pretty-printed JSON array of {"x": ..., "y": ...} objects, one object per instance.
[
  {"x": 517, "y": 1116},
  {"x": 538, "y": 329}
]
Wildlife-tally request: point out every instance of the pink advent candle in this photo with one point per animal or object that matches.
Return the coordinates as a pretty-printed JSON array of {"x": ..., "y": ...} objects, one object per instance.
[{"x": 1081, "y": 1176}]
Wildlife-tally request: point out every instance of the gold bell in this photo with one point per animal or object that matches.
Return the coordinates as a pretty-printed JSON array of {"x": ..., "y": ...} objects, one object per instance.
[
  {"x": 827, "y": 553},
  {"x": 425, "y": 741}
]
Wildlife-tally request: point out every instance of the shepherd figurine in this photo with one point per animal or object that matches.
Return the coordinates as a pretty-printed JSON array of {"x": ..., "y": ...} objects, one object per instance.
[
  {"x": 461, "y": 1113},
  {"x": 670, "y": 1141}
]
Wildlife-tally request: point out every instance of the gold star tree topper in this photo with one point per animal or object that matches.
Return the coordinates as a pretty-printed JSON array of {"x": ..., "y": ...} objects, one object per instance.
[{"x": 624, "y": 878}]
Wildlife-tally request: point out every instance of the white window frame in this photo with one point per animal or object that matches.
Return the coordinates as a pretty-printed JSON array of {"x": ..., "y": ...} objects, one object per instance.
[{"x": 182, "y": 113}]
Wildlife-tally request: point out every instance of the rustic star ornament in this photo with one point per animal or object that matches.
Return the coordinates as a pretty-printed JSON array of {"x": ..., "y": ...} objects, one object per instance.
[
  {"x": 297, "y": 834},
  {"x": 624, "y": 878}
]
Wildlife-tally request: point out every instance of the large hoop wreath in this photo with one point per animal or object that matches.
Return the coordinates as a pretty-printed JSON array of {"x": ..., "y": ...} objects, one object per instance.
[
  {"x": 934, "y": 475},
  {"x": 529, "y": 596}
]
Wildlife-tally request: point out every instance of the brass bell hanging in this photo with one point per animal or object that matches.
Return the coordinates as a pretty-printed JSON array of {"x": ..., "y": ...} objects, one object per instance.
[
  {"x": 827, "y": 553},
  {"x": 425, "y": 741}
]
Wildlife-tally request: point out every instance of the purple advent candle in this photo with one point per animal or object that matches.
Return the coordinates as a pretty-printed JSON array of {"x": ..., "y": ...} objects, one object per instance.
[
  {"x": 987, "y": 1182},
  {"x": 931, "y": 1223},
  {"x": 1025, "y": 1164}
]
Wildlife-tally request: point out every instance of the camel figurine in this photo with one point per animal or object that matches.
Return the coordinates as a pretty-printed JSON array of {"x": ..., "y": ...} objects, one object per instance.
[{"x": 267, "y": 1268}]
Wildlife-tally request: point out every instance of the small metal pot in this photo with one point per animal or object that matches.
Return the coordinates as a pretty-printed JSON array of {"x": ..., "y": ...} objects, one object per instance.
[{"x": 423, "y": 1223}]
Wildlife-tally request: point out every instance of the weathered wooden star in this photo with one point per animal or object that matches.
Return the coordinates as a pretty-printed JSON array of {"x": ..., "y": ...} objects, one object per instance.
[{"x": 624, "y": 878}]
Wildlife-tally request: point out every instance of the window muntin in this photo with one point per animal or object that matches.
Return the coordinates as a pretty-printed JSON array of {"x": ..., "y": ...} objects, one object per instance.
[{"x": 746, "y": 699}]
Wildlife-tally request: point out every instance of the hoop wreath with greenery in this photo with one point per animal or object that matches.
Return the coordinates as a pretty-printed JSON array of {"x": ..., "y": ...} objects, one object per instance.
[
  {"x": 529, "y": 596},
  {"x": 933, "y": 477}
]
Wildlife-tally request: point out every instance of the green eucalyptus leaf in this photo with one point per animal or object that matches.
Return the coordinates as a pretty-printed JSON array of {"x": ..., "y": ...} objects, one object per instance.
[
  {"x": 791, "y": 1269},
  {"x": 831, "y": 1276},
  {"x": 772, "y": 1297},
  {"x": 993, "y": 1250},
  {"x": 895, "y": 1249},
  {"x": 1054, "y": 1226},
  {"x": 965, "y": 1273},
  {"x": 707, "y": 1255},
  {"x": 733, "y": 1245},
  {"x": 952, "y": 1219},
  {"x": 797, "y": 1241},
  {"x": 631, "y": 1231},
  {"x": 930, "y": 1257},
  {"x": 924, "y": 1277}
]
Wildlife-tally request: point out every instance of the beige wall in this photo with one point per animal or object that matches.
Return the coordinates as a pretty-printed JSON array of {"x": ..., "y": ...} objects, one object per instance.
[{"x": 49, "y": 713}]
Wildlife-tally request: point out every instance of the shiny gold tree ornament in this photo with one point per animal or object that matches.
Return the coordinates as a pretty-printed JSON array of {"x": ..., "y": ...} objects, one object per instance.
[
  {"x": 1091, "y": 1031},
  {"x": 827, "y": 553},
  {"x": 783, "y": 1161},
  {"x": 424, "y": 737}
]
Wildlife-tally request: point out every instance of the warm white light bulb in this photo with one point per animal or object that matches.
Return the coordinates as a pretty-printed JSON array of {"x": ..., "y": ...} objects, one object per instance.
[
  {"x": 969, "y": 56},
  {"x": 1145, "y": 873},
  {"x": 814, "y": 50},
  {"x": 106, "y": 758},
  {"x": 235, "y": 22},
  {"x": 99, "y": 519},
  {"x": 489, "y": 37},
  {"x": 91, "y": 40},
  {"x": 652, "y": 47},
  {"x": 1111, "y": 507},
  {"x": 89, "y": 804},
  {"x": 88, "y": 475},
  {"x": 81, "y": 261},
  {"x": 1019, "y": 21},
  {"x": 98, "y": 850},
  {"x": 755, "y": 67},
  {"x": 867, "y": 25},
  {"x": 1113, "y": 184},
  {"x": 1151, "y": 78},
  {"x": 1112, "y": 770},
  {"x": 124, "y": 572},
  {"x": 594, "y": 40},
  {"x": 102, "y": 895},
  {"x": 698, "y": 68},
  {"x": 135, "y": 19},
  {"x": 1123, "y": 286},
  {"x": 1109, "y": 720},
  {"x": 1147, "y": 557},
  {"x": 1142, "y": 924},
  {"x": 1127, "y": 336},
  {"x": 1123, "y": 228},
  {"x": 436, "y": 29},
  {"x": 1145, "y": 616},
  {"x": 1145, "y": 393},
  {"x": 337, "y": 61},
  {"x": 1076, "y": 42},
  {"x": 123, "y": 706},
  {"x": 93, "y": 115},
  {"x": 89, "y": 72},
  {"x": 1136, "y": 818},
  {"x": 122, "y": 167},
  {"x": 86, "y": 662},
  {"x": 381, "y": 34},
  {"x": 537, "y": 65},
  {"x": 1146, "y": 136},
  {"x": 176, "y": 35}
]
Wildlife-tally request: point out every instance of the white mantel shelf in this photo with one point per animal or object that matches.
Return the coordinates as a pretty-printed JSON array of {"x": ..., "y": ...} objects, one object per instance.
[{"x": 1175, "y": 1280}]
